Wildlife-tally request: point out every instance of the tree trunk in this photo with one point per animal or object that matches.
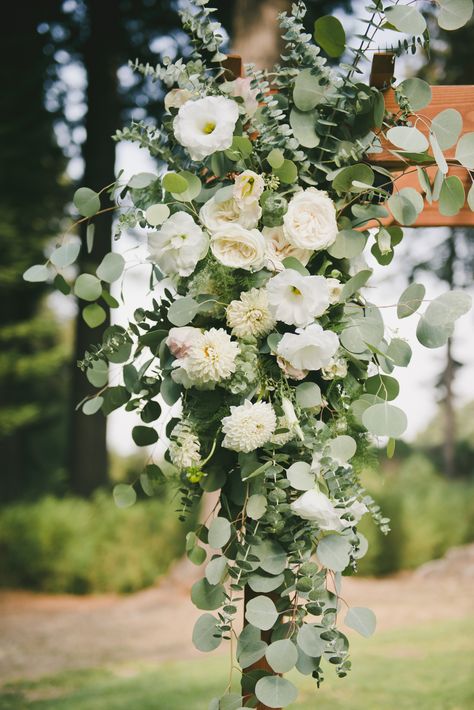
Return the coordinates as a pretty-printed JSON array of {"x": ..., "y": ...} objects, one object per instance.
[
  {"x": 449, "y": 415},
  {"x": 256, "y": 34},
  {"x": 88, "y": 451}
]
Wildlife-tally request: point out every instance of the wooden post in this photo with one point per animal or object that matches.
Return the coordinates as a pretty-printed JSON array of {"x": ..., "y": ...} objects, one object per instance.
[{"x": 261, "y": 664}]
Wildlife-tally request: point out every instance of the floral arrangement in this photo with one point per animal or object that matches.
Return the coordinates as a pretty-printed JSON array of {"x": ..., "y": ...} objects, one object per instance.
[{"x": 256, "y": 224}]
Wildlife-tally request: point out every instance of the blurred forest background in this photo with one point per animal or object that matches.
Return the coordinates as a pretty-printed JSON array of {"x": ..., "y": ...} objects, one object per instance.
[{"x": 59, "y": 528}]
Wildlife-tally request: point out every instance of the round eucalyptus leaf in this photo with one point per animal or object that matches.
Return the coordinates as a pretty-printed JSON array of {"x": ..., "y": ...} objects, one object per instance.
[
  {"x": 275, "y": 692},
  {"x": 366, "y": 327},
  {"x": 406, "y": 19},
  {"x": 271, "y": 555},
  {"x": 308, "y": 91},
  {"x": 66, "y": 254},
  {"x": 310, "y": 641},
  {"x": 91, "y": 406},
  {"x": 124, "y": 495},
  {"x": 36, "y": 273},
  {"x": 263, "y": 584},
  {"x": 94, "y": 315},
  {"x": 197, "y": 555},
  {"x": 300, "y": 476},
  {"x": 345, "y": 177},
  {"x": 410, "y": 300},
  {"x": 216, "y": 570},
  {"x": 417, "y": 91},
  {"x": 183, "y": 311},
  {"x": 87, "y": 287},
  {"x": 330, "y": 35},
  {"x": 142, "y": 180},
  {"x": 383, "y": 386},
  {"x": 342, "y": 448},
  {"x": 86, "y": 202},
  {"x": 305, "y": 664},
  {"x": 275, "y": 158},
  {"x": 193, "y": 189},
  {"x": 355, "y": 283},
  {"x": 447, "y": 127},
  {"x": 256, "y": 506},
  {"x": 303, "y": 126},
  {"x": 408, "y": 138},
  {"x": 433, "y": 336},
  {"x": 219, "y": 533},
  {"x": 144, "y": 435},
  {"x": 399, "y": 352},
  {"x": 452, "y": 196},
  {"x": 231, "y": 701},
  {"x": 98, "y": 374},
  {"x": 385, "y": 420},
  {"x": 288, "y": 172},
  {"x": 470, "y": 198},
  {"x": 157, "y": 214},
  {"x": 465, "y": 150},
  {"x": 111, "y": 267},
  {"x": 308, "y": 395},
  {"x": 206, "y": 635},
  {"x": 207, "y": 596},
  {"x": 454, "y": 13},
  {"x": 333, "y": 552},
  {"x": 170, "y": 391},
  {"x": 261, "y": 612},
  {"x": 348, "y": 244},
  {"x": 282, "y": 655},
  {"x": 406, "y": 205},
  {"x": 174, "y": 183},
  {"x": 448, "y": 307},
  {"x": 438, "y": 155},
  {"x": 361, "y": 620},
  {"x": 250, "y": 647}
]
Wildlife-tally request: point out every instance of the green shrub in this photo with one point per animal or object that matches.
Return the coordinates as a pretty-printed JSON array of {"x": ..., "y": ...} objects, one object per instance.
[
  {"x": 77, "y": 546},
  {"x": 429, "y": 514}
]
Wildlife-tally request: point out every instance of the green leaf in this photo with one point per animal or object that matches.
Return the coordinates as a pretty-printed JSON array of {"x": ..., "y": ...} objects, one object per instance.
[
  {"x": 86, "y": 201},
  {"x": 438, "y": 154},
  {"x": 94, "y": 315},
  {"x": 261, "y": 612},
  {"x": 408, "y": 138},
  {"x": 364, "y": 328},
  {"x": 300, "y": 476},
  {"x": 240, "y": 149},
  {"x": 447, "y": 127},
  {"x": 333, "y": 552},
  {"x": 114, "y": 397},
  {"x": 344, "y": 180},
  {"x": 207, "y": 596},
  {"x": 308, "y": 91},
  {"x": 406, "y": 205},
  {"x": 66, "y": 254},
  {"x": 256, "y": 506},
  {"x": 157, "y": 214},
  {"x": 144, "y": 435},
  {"x": 61, "y": 284},
  {"x": 206, "y": 634},
  {"x": 216, "y": 570},
  {"x": 170, "y": 391},
  {"x": 383, "y": 386},
  {"x": 250, "y": 647},
  {"x": 98, "y": 374},
  {"x": 433, "y": 336},
  {"x": 355, "y": 283},
  {"x": 330, "y": 35},
  {"x": 454, "y": 13},
  {"x": 183, "y": 311},
  {"x": 399, "y": 352},
  {"x": 410, "y": 300},
  {"x": 361, "y": 620},
  {"x": 342, "y": 448},
  {"x": 452, "y": 196},
  {"x": 36, "y": 273},
  {"x": 348, "y": 244},
  {"x": 124, "y": 495},
  {"x": 465, "y": 151},
  {"x": 219, "y": 533},
  {"x": 417, "y": 91},
  {"x": 150, "y": 412},
  {"x": 303, "y": 126},
  {"x": 282, "y": 655},
  {"x": 275, "y": 158},
  {"x": 406, "y": 19},
  {"x": 470, "y": 198},
  {"x": 174, "y": 183},
  {"x": 87, "y": 287},
  {"x": 111, "y": 267},
  {"x": 448, "y": 307},
  {"x": 308, "y": 395},
  {"x": 290, "y": 262},
  {"x": 310, "y": 641},
  {"x": 263, "y": 584},
  {"x": 142, "y": 180},
  {"x": 287, "y": 173},
  {"x": 425, "y": 184},
  {"x": 91, "y": 406},
  {"x": 271, "y": 555},
  {"x": 275, "y": 692},
  {"x": 193, "y": 189},
  {"x": 385, "y": 420},
  {"x": 90, "y": 232}
]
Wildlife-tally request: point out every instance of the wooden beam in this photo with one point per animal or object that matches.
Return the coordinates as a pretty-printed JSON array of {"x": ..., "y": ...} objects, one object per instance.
[
  {"x": 233, "y": 66},
  {"x": 381, "y": 73}
]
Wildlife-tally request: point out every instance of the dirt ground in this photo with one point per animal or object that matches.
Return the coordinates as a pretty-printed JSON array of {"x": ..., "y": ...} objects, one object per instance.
[{"x": 45, "y": 634}]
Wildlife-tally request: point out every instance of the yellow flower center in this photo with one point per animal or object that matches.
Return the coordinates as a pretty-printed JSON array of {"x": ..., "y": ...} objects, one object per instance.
[
  {"x": 296, "y": 291},
  {"x": 209, "y": 127}
]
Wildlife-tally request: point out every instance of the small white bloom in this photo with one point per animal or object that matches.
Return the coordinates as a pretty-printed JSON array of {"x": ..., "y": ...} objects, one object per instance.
[
  {"x": 180, "y": 340},
  {"x": 184, "y": 447},
  {"x": 177, "y": 98},
  {"x": 310, "y": 221},
  {"x": 206, "y": 125},
  {"x": 357, "y": 510},
  {"x": 248, "y": 426},
  {"x": 241, "y": 87},
  {"x": 217, "y": 213},
  {"x": 335, "y": 290},
  {"x": 239, "y": 248},
  {"x": 279, "y": 248},
  {"x": 210, "y": 359},
  {"x": 316, "y": 507},
  {"x": 283, "y": 437},
  {"x": 309, "y": 348},
  {"x": 296, "y": 299},
  {"x": 178, "y": 245},
  {"x": 293, "y": 372},
  {"x": 291, "y": 418},
  {"x": 248, "y": 186},
  {"x": 250, "y": 316},
  {"x": 336, "y": 368}
]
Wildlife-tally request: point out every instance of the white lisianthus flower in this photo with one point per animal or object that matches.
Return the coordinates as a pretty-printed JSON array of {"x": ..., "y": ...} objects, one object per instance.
[
  {"x": 316, "y": 507},
  {"x": 241, "y": 87},
  {"x": 209, "y": 359},
  {"x": 216, "y": 214},
  {"x": 180, "y": 340},
  {"x": 184, "y": 447},
  {"x": 310, "y": 221},
  {"x": 335, "y": 290},
  {"x": 248, "y": 186},
  {"x": 239, "y": 248},
  {"x": 296, "y": 299},
  {"x": 250, "y": 316},
  {"x": 279, "y": 248},
  {"x": 178, "y": 245},
  {"x": 309, "y": 348},
  {"x": 177, "y": 98},
  {"x": 336, "y": 368},
  {"x": 248, "y": 426},
  {"x": 206, "y": 125}
]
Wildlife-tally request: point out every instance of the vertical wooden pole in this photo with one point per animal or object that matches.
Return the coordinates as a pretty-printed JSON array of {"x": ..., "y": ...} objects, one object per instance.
[{"x": 261, "y": 664}]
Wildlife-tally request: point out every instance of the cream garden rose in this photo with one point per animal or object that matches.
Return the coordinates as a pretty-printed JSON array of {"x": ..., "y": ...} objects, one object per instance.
[
  {"x": 278, "y": 248},
  {"x": 206, "y": 125},
  {"x": 178, "y": 245},
  {"x": 239, "y": 248},
  {"x": 309, "y": 348},
  {"x": 310, "y": 221},
  {"x": 177, "y": 98},
  {"x": 218, "y": 212}
]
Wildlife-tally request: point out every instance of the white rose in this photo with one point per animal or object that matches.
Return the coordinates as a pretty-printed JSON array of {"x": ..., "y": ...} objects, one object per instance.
[
  {"x": 248, "y": 186},
  {"x": 217, "y": 213},
  {"x": 310, "y": 221},
  {"x": 177, "y": 98},
  {"x": 309, "y": 348},
  {"x": 296, "y": 299},
  {"x": 279, "y": 248},
  {"x": 178, "y": 245},
  {"x": 241, "y": 87},
  {"x": 180, "y": 340},
  {"x": 206, "y": 125},
  {"x": 239, "y": 248},
  {"x": 314, "y": 506}
]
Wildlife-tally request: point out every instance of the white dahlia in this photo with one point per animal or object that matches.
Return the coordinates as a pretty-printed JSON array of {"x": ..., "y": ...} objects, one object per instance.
[
  {"x": 206, "y": 125},
  {"x": 248, "y": 426},
  {"x": 250, "y": 316},
  {"x": 211, "y": 357},
  {"x": 296, "y": 299},
  {"x": 184, "y": 447}
]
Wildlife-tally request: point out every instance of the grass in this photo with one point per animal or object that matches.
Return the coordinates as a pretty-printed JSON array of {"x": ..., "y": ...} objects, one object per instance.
[{"x": 425, "y": 667}]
